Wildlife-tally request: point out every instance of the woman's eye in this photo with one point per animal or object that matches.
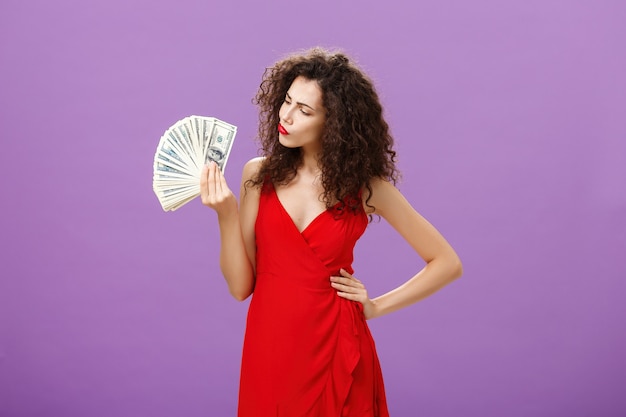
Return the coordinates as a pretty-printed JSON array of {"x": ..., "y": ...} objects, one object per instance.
[{"x": 304, "y": 112}]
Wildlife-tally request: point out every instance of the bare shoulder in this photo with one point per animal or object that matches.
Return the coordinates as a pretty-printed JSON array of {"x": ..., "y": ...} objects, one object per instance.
[
  {"x": 249, "y": 194},
  {"x": 384, "y": 197},
  {"x": 251, "y": 168}
]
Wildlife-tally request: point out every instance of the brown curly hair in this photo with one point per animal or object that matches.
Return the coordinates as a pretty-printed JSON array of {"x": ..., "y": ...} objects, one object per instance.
[{"x": 356, "y": 144}]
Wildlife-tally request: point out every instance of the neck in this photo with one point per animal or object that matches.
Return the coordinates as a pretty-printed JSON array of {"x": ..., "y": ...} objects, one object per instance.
[{"x": 310, "y": 164}]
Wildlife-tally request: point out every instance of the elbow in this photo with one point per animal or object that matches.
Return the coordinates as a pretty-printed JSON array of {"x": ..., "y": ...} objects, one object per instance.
[
  {"x": 240, "y": 295},
  {"x": 450, "y": 267},
  {"x": 240, "y": 285},
  {"x": 241, "y": 292},
  {"x": 456, "y": 268}
]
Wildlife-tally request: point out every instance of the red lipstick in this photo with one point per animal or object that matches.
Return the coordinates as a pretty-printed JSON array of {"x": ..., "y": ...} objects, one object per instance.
[{"x": 282, "y": 130}]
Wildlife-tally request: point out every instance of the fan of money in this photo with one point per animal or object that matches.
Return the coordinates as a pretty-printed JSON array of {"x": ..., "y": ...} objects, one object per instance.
[{"x": 183, "y": 151}]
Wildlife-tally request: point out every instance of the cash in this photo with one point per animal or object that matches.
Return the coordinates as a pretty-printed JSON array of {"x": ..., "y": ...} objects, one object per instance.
[{"x": 183, "y": 151}]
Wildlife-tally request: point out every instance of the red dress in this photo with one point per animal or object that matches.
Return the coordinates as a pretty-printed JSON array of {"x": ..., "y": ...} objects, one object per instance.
[{"x": 307, "y": 352}]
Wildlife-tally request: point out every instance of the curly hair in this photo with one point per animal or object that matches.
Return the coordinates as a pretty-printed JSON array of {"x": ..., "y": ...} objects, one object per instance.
[{"x": 356, "y": 145}]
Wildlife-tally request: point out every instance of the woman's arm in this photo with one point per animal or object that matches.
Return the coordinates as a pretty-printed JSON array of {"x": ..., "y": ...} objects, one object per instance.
[
  {"x": 442, "y": 263},
  {"x": 237, "y": 247}
]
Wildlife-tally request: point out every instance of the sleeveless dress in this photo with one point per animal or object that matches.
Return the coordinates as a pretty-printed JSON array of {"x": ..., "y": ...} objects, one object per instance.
[{"x": 307, "y": 352}]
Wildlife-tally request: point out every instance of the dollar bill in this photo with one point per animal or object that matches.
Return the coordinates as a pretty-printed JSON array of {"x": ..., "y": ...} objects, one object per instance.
[
  {"x": 220, "y": 143},
  {"x": 181, "y": 153},
  {"x": 206, "y": 129},
  {"x": 183, "y": 132},
  {"x": 168, "y": 159}
]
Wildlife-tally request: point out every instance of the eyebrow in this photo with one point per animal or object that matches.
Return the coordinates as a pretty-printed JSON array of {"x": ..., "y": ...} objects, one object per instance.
[{"x": 300, "y": 103}]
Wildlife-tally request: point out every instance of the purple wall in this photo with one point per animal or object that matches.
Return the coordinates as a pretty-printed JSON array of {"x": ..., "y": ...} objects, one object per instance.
[{"x": 509, "y": 119}]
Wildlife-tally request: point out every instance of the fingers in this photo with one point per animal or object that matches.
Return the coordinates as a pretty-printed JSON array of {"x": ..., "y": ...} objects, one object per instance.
[
  {"x": 345, "y": 273},
  {"x": 347, "y": 279},
  {"x": 349, "y": 287},
  {"x": 212, "y": 179},
  {"x": 213, "y": 187},
  {"x": 347, "y": 282},
  {"x": 204, "y": 182},
  {"x": 222, "y": 179},
  {"x": 359, "y": 295}
]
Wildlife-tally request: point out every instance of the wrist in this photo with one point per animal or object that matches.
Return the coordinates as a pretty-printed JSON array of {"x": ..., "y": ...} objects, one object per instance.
[
  {"x": 227, "y": 211},
  {"x": 372, "y": 310}
]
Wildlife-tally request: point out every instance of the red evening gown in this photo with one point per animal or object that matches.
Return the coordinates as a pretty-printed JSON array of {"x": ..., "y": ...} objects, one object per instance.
[{"x": 307, "y": 352}]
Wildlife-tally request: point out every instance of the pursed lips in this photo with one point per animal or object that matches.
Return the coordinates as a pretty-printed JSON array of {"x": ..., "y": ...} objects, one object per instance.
[{"x": 282, "y": 130}]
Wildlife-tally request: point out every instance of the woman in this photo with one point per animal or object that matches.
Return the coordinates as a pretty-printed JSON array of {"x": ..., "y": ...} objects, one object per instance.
[{"x": 327, "y": 165}]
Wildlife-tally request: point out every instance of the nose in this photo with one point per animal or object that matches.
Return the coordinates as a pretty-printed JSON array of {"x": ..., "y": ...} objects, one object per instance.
[{"x": 286, "y": 114}]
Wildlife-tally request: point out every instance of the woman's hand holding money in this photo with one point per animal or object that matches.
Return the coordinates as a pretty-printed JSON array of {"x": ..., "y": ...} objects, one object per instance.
[{"x": 214, "y": 191}]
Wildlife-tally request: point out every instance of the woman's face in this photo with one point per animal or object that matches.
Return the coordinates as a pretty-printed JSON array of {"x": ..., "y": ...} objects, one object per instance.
[{"x": 302, "y": 116}]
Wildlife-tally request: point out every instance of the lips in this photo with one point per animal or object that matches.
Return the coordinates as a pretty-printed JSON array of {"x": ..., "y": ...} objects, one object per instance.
[{"x": 282, "y": 130}]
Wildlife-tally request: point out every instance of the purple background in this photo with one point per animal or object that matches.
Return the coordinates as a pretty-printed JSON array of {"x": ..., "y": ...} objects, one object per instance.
[{"x": 509, "y": 120}]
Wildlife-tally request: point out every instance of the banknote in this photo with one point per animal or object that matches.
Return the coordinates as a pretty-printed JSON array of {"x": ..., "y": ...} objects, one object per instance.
[
  {"x": 181, "y": 154},
  {"x": 218, "y": 147}
]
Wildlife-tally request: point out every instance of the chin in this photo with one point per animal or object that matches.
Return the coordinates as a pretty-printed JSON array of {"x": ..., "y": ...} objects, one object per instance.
[{"x": 286, "y": 143}]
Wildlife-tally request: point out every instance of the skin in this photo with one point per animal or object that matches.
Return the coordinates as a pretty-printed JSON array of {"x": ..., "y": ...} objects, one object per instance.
[{"x": 303, "y": 115}]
